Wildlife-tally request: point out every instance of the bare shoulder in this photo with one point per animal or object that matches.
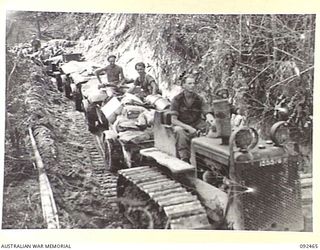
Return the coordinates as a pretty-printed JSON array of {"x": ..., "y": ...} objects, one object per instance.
[
  {"x": 103, "y": 68},
  {"x": 150, "y": 78}
]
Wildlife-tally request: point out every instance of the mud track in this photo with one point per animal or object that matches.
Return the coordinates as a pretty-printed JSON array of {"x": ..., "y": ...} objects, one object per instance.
[{"x": 83, "y": 191}]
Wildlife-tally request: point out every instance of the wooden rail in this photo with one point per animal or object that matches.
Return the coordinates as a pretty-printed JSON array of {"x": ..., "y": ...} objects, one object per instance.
[{"x": 49, "y": 208}]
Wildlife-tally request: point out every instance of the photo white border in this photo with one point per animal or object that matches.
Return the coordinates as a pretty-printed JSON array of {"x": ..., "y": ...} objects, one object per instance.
[{"x": 92, "y": 236}]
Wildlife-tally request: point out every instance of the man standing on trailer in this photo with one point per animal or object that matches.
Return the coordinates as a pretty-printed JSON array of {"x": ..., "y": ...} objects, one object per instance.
[{"x": 189, "y": 108}]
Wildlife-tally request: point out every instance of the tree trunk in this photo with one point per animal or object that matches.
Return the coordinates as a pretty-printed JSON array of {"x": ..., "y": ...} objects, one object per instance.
[
  {"x": 38, "y": 28},
  {"x": 274, "y": 40}
]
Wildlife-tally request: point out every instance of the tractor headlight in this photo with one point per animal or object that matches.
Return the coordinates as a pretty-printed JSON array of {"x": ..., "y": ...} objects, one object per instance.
[
  {"x": 246, "y": 138},
  {"x": 280, "y": 133}
]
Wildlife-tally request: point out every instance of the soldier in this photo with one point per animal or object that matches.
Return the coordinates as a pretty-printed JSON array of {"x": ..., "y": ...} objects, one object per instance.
[
  {"x": 35, "y": 43},
  {"x": 56, "y": 50},
  {"x": 188, "y": 108},
  {"x": 145, "y": 81},
  {"x": 115, "y": 75},
  {"x": 44, "y": 54}
]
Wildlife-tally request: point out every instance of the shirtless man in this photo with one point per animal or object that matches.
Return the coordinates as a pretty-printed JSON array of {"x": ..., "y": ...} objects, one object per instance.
[{"x": 114, "y": 73}]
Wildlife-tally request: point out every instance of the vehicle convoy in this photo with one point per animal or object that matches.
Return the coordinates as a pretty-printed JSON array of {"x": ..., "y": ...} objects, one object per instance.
[
  {"x": 78, "y": 74},
  {"x": 243, "y": 183},
  {"x": 54, "y": 68},
  {"x": 118, "y": 118},
  {"x": 235, "y": 180},
  {"x": 123, "y": 139}
]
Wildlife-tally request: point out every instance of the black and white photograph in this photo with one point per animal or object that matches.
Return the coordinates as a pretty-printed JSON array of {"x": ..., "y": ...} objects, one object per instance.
[{"x": 158, "y": 121}]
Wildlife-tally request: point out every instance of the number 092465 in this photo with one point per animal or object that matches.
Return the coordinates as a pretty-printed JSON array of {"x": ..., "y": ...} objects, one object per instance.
[{"x": 309, "y": 246}]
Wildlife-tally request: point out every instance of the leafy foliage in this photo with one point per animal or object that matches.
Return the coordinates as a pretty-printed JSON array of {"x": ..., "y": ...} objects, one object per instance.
[
  {"x": 47, "y": 25},
  {"x": 263, "y": 60}
]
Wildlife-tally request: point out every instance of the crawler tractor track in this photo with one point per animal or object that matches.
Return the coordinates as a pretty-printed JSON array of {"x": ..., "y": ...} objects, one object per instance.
[
  {"x": 146, "y": 196},
  {"x": 107, "y": 180},
  {"x": 153, "y": 200}
]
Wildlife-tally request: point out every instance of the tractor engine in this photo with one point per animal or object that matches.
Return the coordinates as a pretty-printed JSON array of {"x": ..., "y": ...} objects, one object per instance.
[
  {"x": 260, "y": 177},
  {"x": 242, "y": 183}
]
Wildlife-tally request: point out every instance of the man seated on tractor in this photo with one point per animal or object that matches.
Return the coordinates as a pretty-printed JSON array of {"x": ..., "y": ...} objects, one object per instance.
[
  {"x": 145, "y": 81},
  {"x": 57, "y": 49},
  {"x": 187, "y": 117},
  {"x": 114, "y": 73}
]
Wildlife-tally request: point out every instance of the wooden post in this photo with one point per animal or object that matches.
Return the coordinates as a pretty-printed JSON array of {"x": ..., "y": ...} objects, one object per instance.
[
  {"x": 49, "y": 208},
  {"x": 38, "y": 25}
]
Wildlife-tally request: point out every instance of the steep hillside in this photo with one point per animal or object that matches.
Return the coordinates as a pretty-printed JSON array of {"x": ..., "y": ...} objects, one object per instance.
[
  {"x": 120, "y": 35},
  {"x": 168, "y": 44},
  {"x": 257, "y": 57},
  {"x": 265, "y": 61}
]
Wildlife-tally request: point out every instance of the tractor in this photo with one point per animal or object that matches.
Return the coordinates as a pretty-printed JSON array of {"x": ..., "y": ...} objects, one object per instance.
[
  {"x": 235, "y": 180},
  {"x": 54, "y": 68}
]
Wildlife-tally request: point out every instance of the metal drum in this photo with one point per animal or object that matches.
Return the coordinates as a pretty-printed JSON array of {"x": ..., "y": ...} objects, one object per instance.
[{"x": 158, "y": 101}]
